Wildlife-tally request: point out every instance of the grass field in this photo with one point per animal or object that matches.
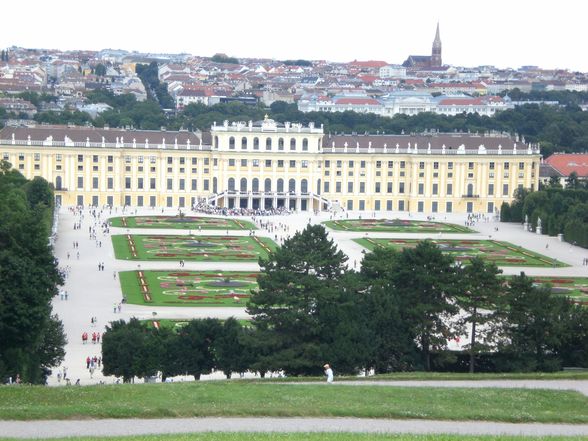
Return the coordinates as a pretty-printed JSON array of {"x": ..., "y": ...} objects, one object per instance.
[
  {"x": 501, "y": 253},
  {"x": 187, "y": 288},
  {"x": 238, "y": 398},
  {"x": 193, "y": 248},
  {"x": 185, "y": 222},
  {"x": 323, "y": 436},
  {"x": 395, "y": 226}
]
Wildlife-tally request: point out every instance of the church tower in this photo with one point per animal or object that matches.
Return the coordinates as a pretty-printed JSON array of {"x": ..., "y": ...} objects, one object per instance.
[{"x": 436, "y": 53}]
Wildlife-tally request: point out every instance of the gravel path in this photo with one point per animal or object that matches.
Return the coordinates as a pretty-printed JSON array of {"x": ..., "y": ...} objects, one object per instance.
[{"x": 95, "y": 428}]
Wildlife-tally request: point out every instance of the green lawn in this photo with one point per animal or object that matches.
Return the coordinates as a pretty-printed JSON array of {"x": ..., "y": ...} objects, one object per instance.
[
  {"x": 188, "y": 288},
  {"x": 238, "y": 398},
  {"x": 395, "y": 226},
  {"x": 194, "y": 248},
  {"x": 305, "y": 436},
  {"x": 185, "y": 222},
  {"x": 501, "y": 253}
]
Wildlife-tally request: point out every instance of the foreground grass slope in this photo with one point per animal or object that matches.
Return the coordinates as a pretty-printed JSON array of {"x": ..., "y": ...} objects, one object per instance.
[
  {"x": 290, "y": 399},
  {"x": 315, "y": 437}
]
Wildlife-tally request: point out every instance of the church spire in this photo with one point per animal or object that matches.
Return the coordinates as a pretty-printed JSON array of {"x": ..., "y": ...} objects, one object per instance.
[{"x": 436, "y": 60}]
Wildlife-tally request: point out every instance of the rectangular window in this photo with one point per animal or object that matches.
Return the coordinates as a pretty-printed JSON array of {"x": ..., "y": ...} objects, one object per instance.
[
  {"x": 169, "y": 184},
  {"x": 401, "y": 187},
  {"x": 362, "y": 187},
  {"x": 350, "y": 205},
  {"x": 326, "y": 187},
  {"x": 448, "y": 207},
  {"x": 339, "y": 164},
  {"x": 170, "y": 160},
  {"x": 338, "y": 187},
  {"x": 402, "y": 164},
  {"x": 169, "y": 201},
  {"x": 420, "y": 206},
  {"x": 390, "y": 165},
  {"x": 450, "y": 166},
  {"x": 361, "y": 205},
  {"x": 377, "y": 190},
  {"x": 127, "y": 159},
  {"x": 152, "y": 200},
  {"x": 292, "y": 164},
  {"x": 280, "y": 163},
  {"x": 194, "y": 184},
  {"x": 378, "y": 164},
  {"x": 243, "y": 162},
  {"x": 304, "y": 164},
  {"x": 94, "y": 158},
  {"x": 435, "y": 166},
  {"x": 490, "y": 207},
  {"x": 139, "y": 201},
  {"x": 231, "y": 162},
  {"x": 400, "y": 205},
  {"x": 470, "y": 165},
  {"x": 435, "y": 189},
  {"x": 362, "y": 164},
  {"x": 152, "y": 159},
  {"x": 449, "y": 189},
  {"x": 505, "y": 190},
  {"x": 80, "y": 182},
  {"x": 140, "y": 183},
  {"x": 206, "y": 185},
  {"x": 95, "y": 182},
  {"x": 268, "y": 163},
  {"x": 182, "y": 184},
  {"x": 506, "y": 165},
  {"x": 491, "y": 166},
  {"x": 490, "y": 189},
  {"x": 421, "y": 165},
  {"x": 389, "y": 187},
  {"x": 151, "y": 183},
  {"x": 389, "y": 205},
  {"x": 327, "y": 164},
  {"x": 521, "y": 165},
  {"x": 110, "y": 183},
  {"x": 127, "y": 183},
  {"x": 194, "y": 161},
  {"x": 57, "y": 158},
  {"x": 377, "y": 205},
  {"x": 80, "y": 158},
  {"x": 350, "y": 187},
  {"x": 421, "y": 188},
  {"x": 351, "y": 164},
  {"x": 434, "y": 206},
  {"x": 255, "y": 162}
]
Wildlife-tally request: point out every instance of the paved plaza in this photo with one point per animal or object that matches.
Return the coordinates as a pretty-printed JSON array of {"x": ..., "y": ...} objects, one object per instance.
[{"x": 96, "y": 293}]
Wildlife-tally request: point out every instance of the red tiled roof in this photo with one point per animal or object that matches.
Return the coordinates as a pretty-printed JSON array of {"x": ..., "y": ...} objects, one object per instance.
[
  {"x": 368, "y": 78},
  {"x": 568, "y": 163},
  {"x": 358, "y": 101}
]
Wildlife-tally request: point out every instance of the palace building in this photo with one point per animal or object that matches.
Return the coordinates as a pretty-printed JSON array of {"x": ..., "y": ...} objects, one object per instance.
[{"x": 266, "y": 164}]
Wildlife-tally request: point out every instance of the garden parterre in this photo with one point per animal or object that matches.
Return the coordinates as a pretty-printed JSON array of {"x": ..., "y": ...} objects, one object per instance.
[
  {"x": 182, "y": 222},
  {"x": 191, "y": 248},
  {"x": 501, "y": 253},
  {"x": 395, "y": 226},
  {"x": 188, "y": 288}
]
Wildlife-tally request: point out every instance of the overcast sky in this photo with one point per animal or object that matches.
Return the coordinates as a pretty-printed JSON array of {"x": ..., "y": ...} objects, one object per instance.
[{"x": 504, "y": 33}]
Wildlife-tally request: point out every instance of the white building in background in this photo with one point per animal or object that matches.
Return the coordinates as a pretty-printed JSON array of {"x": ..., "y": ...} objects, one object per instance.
[
  {"x": 405, "y": 103},
  {"x": 393, "y": 71}
]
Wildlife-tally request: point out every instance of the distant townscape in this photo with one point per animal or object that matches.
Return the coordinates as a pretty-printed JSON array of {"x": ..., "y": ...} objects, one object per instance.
[{"x": 422, "y": 83}]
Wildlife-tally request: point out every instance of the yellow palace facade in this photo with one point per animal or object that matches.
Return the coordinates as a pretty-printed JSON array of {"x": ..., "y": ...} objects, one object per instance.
[{"x": 265, "y": 165}]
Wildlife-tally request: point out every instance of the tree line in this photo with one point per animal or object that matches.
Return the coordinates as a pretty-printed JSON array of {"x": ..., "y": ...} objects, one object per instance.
[
  {"x": 561, "y": 210},
  {"x": 32, "y": 338},
  {"x": 556, "y": 128},
  {"x": 398, "y": 313}
]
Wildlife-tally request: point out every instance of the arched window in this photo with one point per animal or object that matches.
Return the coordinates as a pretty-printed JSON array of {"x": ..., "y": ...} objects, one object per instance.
[
  {"x": 267, "y": 185},
  {"x": 292, "y": 144},
  {"x": 58, "y": 183},
  {"x": 305, "y": 144},
  {"x": 292, "y": 185},
  {"x": 470, "y": 191},
  {"x": 231, "y": 184},
  {"x": 216, "y": 142},
  {"x": 280, "y": 185},
  {"x": 268, "y": 143},
  {"x": 256, "y": 143},
  {"x": 232, "y": 143},
  {"x": 243, "y": 143},
  {"x": 304, "y": 186},
  {"x": 243, "y": 186},
  {"x": 255, "y": 184},
  {"x": 281, "y": 144}
]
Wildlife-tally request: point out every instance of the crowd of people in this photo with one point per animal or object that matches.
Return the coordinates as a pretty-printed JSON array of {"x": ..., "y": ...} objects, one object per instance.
[{"x": 203, "y": 207}]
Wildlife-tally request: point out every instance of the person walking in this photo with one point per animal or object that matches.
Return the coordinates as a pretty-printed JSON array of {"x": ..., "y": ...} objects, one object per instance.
[{"x": 328, "y": 373}]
